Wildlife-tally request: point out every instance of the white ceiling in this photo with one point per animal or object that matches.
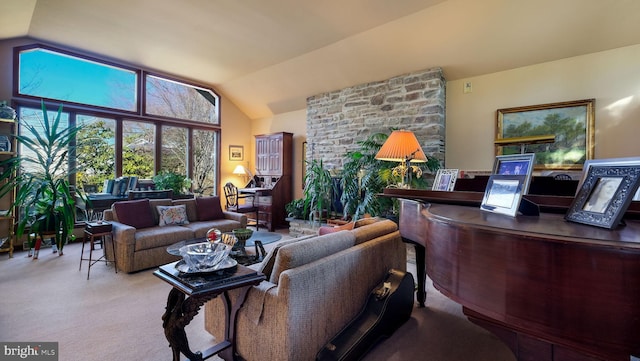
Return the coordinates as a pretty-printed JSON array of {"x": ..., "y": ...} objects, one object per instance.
[{"x": 268, "y": 56}]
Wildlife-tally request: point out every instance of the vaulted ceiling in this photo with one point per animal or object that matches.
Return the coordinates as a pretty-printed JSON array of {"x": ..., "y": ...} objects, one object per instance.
[{"x": 268, "y": 56}]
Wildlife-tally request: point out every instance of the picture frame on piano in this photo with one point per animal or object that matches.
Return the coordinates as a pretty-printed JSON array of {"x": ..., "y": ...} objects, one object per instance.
[
  {"x": 515, "y": 164},
  {"x": 445, "y": 180},
  {"x": 504, "y": 194},
  {"x": 605, "y": 195},
  {"x": 608, "y": 161}
]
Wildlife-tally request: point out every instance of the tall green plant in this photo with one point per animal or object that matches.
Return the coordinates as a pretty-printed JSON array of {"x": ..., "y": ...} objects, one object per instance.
[
  {"x": 318, "y": 188},
  {"x": 363, "y": 177},
  {"x": 44, "y": 200}
]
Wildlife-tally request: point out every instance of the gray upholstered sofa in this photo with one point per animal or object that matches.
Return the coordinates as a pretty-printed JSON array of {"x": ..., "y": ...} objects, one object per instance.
[
  {"x": 314, "y": 287},
  {"x": 143, "y": 229}
]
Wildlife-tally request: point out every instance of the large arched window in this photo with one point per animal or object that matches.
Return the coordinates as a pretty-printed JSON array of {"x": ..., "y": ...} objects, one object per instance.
[{"x": 133, "y": 122}]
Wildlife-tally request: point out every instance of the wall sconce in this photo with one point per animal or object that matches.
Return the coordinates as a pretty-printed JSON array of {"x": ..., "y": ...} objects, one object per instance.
[{"x": 402, "y": 146}]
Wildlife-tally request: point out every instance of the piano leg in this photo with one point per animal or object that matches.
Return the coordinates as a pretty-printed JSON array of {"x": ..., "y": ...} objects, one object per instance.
[{"x": 421, "y": 271}]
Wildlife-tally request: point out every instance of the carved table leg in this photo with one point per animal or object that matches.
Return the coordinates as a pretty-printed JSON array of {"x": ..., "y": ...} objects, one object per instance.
[
  {"x": 178, "y": 314},
  {"x": 231, "y": 318}
]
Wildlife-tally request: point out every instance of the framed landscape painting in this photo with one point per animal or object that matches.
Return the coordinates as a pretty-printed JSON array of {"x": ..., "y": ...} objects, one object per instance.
[
  {"x": 572, "y": 124},
  {"x": 236, "y": 152}
]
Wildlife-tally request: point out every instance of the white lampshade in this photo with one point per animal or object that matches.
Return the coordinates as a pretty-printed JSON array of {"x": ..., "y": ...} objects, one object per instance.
[
  {"x": 402, "y": 145},
  {"x": 240, "y": 170}
]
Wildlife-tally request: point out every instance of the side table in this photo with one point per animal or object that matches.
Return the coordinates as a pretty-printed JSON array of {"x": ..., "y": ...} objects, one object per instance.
[
  {"x": 100, "y": 231},
  {"x": 201, "y": 288}
]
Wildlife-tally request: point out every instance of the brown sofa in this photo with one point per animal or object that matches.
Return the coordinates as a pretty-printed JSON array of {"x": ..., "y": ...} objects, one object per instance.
[
  {"x": 314, "y": 287},
  {"x": 143, "y": 229}
]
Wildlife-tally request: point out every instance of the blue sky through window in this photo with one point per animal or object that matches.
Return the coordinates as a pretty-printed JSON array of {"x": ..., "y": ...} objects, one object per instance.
[{"x": 57, "y": 76}]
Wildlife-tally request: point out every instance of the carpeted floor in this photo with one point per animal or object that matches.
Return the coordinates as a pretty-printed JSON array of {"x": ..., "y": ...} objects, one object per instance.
[{"x": 118, "y": 316}]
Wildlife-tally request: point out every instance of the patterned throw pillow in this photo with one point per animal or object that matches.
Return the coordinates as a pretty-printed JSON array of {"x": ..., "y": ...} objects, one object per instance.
[{"x": 169, "y": 215}]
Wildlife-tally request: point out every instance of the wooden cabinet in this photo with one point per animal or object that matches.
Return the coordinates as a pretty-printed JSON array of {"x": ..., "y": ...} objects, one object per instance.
[
  {"x": 274, "y": 163},
  {"x": 7, "y": 151}
]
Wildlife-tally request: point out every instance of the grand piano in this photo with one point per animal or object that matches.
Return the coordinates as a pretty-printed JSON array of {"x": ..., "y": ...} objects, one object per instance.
[{"x": 550, "y": 289}]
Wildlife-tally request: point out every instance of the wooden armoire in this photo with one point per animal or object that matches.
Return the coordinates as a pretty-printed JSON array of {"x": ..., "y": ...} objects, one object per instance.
[{"x": 274, "y": 168}]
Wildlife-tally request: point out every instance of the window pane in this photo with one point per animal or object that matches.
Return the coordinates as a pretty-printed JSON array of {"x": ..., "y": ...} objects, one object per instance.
[
  {"x": 96, "y": 150},
  {"x": 205, "y": 144},
  {"x": 33, "y": 117},
  {"x": 138, "y": 149},
  {"x": 47, "y": 74},
  {"x": 174, "y": 150},
  {"x": 177, "y": 100}
]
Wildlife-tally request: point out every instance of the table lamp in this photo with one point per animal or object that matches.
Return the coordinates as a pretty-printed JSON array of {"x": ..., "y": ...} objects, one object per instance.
[
  {"x": 402, "y": 146},
  {"x": 241, "y": 170}
]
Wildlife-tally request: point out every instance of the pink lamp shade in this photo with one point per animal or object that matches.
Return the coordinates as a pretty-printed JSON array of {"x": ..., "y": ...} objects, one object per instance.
[{"x": 402, "y": 145}]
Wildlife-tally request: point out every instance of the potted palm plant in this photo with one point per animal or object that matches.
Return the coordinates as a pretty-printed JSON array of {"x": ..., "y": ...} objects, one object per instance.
[
  {"x": 364, "y": 177},
  {"x": 44, "y": 201},
  {"x": 318, "y": 187}
]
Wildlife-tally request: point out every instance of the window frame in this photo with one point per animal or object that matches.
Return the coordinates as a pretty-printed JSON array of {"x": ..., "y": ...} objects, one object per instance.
[{"x": 22, "y": 100}]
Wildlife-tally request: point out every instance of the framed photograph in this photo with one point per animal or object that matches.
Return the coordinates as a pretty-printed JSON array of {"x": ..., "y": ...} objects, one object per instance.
[
  {"x": 604, "y": 195},
  {"x": 236, "y": 152},
  {"x": 572, "y": 124},
  {"x": 610, "y": 161},
  {"x": 445, "y": 180},
  {"x": 515, "y": 164},
  {"x": 503, "y": 194}
]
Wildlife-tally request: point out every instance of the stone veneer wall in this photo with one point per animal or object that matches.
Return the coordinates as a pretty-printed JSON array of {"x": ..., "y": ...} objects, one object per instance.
[{"x": 337, "y": 120}]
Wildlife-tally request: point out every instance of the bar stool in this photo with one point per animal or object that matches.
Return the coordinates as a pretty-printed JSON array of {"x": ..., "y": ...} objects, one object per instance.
[{"x": 99, "y": 231}]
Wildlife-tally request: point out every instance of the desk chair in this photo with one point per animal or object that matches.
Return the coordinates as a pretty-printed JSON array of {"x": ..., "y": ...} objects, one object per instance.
[{"x": 233, "y": 199}]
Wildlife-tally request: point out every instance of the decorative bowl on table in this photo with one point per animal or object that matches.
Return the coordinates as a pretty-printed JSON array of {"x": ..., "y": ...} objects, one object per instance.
[
  {"x": 205, "y": 256},
  {"x": 242, "y": 234}
]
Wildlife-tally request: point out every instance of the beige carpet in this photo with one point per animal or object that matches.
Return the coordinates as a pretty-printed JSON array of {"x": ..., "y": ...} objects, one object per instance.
[{"x": 118, "y": 316}]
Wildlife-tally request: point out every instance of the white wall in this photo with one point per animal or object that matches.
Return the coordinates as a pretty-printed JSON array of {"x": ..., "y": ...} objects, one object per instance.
[{"x": 611, "y": 77}]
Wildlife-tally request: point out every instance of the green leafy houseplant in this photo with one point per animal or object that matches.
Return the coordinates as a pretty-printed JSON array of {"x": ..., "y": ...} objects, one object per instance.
[
  {"x": 317, "y": 190},
  {"x": 44, "y": 200},
  {"x": 364, "y": 177},
  {"x": 171, "y": 180},
  {"x": 316, "y": 200}
]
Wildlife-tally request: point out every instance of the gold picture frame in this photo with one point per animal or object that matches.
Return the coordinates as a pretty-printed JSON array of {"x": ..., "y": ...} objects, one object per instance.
[
  {"x": 236, "y": 152},
  {"x": 572, "y": 123}
]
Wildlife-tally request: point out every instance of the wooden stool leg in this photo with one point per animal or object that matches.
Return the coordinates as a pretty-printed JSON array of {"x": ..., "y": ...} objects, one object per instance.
[
  {"x": 84, "y": 239},
  {"x": 91, "y": 245},
  {"x": 113, "y": 249}
]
